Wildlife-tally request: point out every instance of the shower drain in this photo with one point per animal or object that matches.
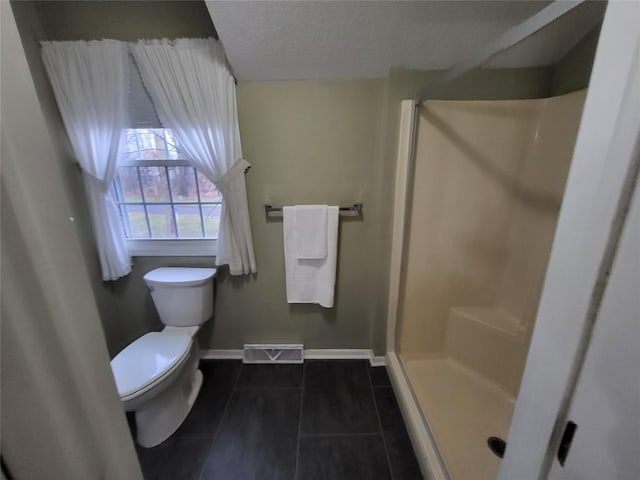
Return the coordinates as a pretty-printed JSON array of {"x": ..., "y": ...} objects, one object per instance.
[{"x": 497, "y": 446}]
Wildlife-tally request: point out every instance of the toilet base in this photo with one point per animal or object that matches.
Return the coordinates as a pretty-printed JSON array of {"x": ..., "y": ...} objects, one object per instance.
[{"x": 159, "y": 417}]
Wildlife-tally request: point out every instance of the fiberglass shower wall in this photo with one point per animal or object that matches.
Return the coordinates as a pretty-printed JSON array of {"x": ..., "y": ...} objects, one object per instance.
[{"x": 488, "y": 183}]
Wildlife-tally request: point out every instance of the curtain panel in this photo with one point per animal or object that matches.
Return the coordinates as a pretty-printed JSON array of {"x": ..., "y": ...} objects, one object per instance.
[
  {"x": 194, "y": 93},
  {"x": 90, "y": 83}
]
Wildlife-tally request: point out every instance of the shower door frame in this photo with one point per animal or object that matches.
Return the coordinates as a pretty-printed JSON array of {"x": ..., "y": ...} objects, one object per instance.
[{"x": 520, "y": 459}]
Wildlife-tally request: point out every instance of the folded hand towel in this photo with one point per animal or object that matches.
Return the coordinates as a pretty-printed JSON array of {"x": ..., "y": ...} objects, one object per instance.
[
  {"x": 310, "y": 280},
  {"x": 311, "y": 231}
]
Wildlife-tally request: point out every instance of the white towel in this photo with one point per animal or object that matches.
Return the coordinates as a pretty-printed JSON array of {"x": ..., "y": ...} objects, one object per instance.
[
  {"x": 310, "y": 280},
  {"x": 311, "y": 231}
]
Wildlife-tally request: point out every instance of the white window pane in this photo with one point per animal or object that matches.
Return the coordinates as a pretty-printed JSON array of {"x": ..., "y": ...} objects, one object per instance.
[
  {"x": 149, "y": 144},
  {"x": 154, "y": 184},
  {"x": 130, "y": 186},
  {"x": 183, "y": 184},
  {"x": 211, "y": 217},
  {"x": 161, "y": 221},
  {"x": 189, "y": 221},
  {"x": 172, "y": 194},
  {"x": 137, "y": 222}
]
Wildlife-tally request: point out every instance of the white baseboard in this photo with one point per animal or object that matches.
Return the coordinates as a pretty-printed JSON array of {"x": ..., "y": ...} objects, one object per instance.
[
  {"x": 431, "y": 462},
  {"x": 221, "y": 354},
  {"x": 309, "y": 354},
  {"x": 378, "y": 361}
]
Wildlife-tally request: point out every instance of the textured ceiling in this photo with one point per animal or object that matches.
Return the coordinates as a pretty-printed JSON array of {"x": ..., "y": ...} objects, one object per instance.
[{"x": 280, "y": 40}]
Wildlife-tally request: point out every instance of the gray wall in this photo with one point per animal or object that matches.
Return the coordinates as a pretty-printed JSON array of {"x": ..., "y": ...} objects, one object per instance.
[
  {"x": 308, "y": 143},
  {"x": 31, "y": 32},
  {"x": 137, "y": 314},
  {"x": 328, "y": 142},
  {"x": 124, "y": 305},
  {"x": 312, "y": 142},
  {"x": 573, "y": 70},
  {"x": 58, "y": 395},
  {"x": 125, "y": 20}
]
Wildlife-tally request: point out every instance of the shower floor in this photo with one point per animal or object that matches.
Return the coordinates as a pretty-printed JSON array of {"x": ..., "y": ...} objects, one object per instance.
[{"x": 463, "y": 410}]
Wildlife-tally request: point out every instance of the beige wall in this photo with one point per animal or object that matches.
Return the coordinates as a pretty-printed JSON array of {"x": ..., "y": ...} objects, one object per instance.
[
  {"x": 537, "y": 205},
  {"x": 404, "y": 83},
  {"x": 489, "y": 181}
]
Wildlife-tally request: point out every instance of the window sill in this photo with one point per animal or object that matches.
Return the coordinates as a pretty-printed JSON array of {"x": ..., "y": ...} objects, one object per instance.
[{"x": 173, "y": 248}]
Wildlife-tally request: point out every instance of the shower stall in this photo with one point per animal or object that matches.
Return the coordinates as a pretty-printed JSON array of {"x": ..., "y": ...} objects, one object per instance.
[
  {"x": 487, "y": 186},
  {"x": 478, "y": 192}
]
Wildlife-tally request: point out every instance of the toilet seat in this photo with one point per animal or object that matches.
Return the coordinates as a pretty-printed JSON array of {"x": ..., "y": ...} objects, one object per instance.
[{"x": 148, "y": 360}]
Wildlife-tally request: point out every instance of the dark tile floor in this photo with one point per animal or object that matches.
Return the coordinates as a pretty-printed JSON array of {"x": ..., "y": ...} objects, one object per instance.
[{"x": 324, "y": 420}]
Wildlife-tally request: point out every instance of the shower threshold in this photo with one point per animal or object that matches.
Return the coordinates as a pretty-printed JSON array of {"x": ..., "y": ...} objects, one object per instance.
[{"x": 463, "y": 409}]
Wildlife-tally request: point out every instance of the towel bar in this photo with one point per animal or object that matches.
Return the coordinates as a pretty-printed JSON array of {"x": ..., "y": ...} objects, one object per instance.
[{"x": 352, "y": 211}]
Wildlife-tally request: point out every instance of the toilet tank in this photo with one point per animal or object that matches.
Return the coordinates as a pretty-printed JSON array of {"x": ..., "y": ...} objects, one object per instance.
[{"x": 183, "y": 296}]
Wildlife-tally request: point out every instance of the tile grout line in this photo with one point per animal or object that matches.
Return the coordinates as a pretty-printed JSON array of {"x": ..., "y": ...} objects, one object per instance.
[
  {"x": 266, "y": 389},
  {"x": 322, "y": 435},
  {"x": 222, "y": 418},
  {"x": 295, "y": 472},
  {"x": 384, "y": 440}
]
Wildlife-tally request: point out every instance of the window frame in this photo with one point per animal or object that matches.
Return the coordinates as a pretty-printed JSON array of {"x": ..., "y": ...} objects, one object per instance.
[{"x": 164, "y": 246}]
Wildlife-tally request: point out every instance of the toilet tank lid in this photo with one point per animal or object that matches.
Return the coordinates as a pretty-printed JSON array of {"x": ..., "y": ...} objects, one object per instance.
[{"x": 179, "y": 276}]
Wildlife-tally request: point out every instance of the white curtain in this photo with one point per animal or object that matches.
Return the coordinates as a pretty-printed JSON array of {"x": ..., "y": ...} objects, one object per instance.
[
  {"x": 90, "y": 83},
  {"x": 194, "y": 92}
]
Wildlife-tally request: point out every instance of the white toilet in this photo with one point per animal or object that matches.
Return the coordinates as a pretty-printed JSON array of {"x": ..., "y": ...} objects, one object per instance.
[{"x": 157, "y": 375}]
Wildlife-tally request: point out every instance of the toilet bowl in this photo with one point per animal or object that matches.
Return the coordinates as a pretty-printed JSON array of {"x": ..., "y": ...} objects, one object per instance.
[{"x": 157, "y": 375}]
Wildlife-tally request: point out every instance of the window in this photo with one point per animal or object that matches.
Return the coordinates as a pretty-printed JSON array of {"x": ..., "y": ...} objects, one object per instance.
[{"x": 166, "y": 206}]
